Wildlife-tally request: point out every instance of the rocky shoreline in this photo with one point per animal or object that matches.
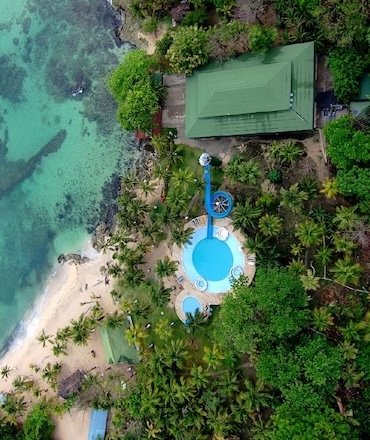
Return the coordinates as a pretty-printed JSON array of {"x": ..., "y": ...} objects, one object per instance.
[{"x": 128, "y": 30}]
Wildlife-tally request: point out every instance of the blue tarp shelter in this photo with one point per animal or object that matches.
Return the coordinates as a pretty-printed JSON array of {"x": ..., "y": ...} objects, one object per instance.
[{"x": 98, "y": 424}]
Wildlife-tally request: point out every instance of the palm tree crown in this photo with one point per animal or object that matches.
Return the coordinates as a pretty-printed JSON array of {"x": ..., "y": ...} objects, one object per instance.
[
  {"x": 346, "y": 271},
  {"x": 245, "y": 215},
  {"x": 165, "y": 267},
  {"x": 309, "y": 233},
  {"x": 293, "y": 198},
  {"x": 270, "y": 225}
]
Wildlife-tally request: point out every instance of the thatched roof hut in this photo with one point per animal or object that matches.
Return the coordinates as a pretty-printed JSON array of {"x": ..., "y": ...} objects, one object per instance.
[{"x": 71, "y": 385}]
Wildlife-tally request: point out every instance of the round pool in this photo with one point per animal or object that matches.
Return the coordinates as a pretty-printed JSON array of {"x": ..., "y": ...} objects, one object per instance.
[
  {"x": 213, "y": 259},
  {"x": 191, "y": 304}
]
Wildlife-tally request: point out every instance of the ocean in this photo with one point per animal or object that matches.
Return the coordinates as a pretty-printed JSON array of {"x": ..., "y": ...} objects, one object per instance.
[{"x": 59, "y": 154}]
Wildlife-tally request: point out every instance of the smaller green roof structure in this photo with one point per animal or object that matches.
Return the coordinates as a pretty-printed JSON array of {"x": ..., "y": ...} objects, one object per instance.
[
  {"x": 116, "y": 347},
  {"x": 253, "y": 94}
]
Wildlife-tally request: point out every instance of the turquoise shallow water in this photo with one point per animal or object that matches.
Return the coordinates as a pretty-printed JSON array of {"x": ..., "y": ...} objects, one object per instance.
[{"x": 48, "y": 204}]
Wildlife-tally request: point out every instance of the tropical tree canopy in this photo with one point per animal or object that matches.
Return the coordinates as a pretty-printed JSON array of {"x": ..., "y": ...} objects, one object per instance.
[{"x": 273, "y": 309}]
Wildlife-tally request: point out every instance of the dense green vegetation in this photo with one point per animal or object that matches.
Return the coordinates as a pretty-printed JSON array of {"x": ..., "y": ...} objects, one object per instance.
[
  {"x": 349, "y": 150},
  {"x": 283, "y": 358},
  {"x": 133, "y": 86}
]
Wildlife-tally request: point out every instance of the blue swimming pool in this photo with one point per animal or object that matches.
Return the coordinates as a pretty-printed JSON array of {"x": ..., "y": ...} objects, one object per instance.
[
  {"x": 190, "y": 305},
  {"x": 212, "y": 259}
]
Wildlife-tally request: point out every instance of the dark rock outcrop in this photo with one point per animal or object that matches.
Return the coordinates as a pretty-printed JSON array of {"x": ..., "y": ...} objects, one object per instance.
[
  {"x": 73, "y": 258},
  {"x": 12, "y": 173}
]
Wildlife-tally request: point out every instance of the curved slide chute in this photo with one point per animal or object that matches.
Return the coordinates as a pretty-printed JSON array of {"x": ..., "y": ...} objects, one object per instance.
[{"x": 218, "y": 204}]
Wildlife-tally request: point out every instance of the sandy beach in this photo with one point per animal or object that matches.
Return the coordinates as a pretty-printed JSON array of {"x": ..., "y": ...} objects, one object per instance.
[{"x": 61, "y": 303}]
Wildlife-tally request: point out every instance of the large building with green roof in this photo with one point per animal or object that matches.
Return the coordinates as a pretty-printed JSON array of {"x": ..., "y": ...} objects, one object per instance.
[{"x": 253, "y": 94}]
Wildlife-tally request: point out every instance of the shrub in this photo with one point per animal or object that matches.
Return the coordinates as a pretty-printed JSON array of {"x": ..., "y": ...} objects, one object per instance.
[
  {"x": 189, "y": 49},
  {"x": 164, "y": 43},
  {"x": 346, "y": 66},
  {"x": 149, "y": 25},
  {"x": 274, "y": 175},
  {"x": 136, "y": 66},
  {"x": 228, "y": 39},
  {"x": 349, "y": 150},
  {"x": 198, "y": 17},
  {"x": 261, "y": 38},
  {"x": 38, "y": 425},
  {"x": 139, "y": 107}
]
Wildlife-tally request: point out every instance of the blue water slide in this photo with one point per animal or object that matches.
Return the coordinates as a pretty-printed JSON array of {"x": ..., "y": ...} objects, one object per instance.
[{"x": 218, "y": 204}]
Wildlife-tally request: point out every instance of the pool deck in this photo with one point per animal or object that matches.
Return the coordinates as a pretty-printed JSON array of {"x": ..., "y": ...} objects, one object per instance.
[{"x": 187, "y": 287}]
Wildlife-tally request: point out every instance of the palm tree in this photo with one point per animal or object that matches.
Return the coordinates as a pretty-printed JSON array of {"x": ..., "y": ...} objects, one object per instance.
[
  {"x": 261, "y": 429},
  {"x": 322, "y": 319},
  {"x": 43, "y": 338},
  {"x": 310, "y": 186},
  {"x": 14, "y": 405},
  {"x": 115, "y": 270},
  {"x": 309, "y": 233},
  {"x": 245, "y": 215},
  {"x": 177, "y": 199},
  {"x": 161, "y": 171},
  {"x": 22, "y": 383},
  {"x": 289, "y": 152},
  {"x": 168, "y": 152},
  {"x": 194, "y": 321},
  {"x": 346, "y": 271},
  {"x": 175, "y": 354},
  {"x": 151, "y": 430},
  {"x": 80, "y": 330},
  {"x": 50, "y": 373},
  {"x": 59, "y": 348},
  {"x": 232, "y": 169},
  {"x": 343, "y": 245},
  {"x": 346, "y": 218},
  {"x": 293, "y": 198},
  {"x": 147, "y": 187},
  {"x": 163, "y": 329},
  {"x": 297, "y": 266},
  {"x": 309, "y": 281},
  {"x": 256, "y": 244},
  {"x": 212, "y": 357},
  {"x": 182, "y": 178},
  {"x": 153, "y": 233},
  {"x": 165, "y": 267},
  {"x": 134, "y": 277},
  {"x": 115, "y": 319},
  {"x": 323, "y": 255},
  {"x": 266, "y": 199},
  {"x": 350, "y": 332},
  {"x": 159, "y": 294},
  {"x": 330, "y": 188},
  {"x": 135, "y": 335},
  {"x": 199, "y": 376},
  {"x": 5, "y": 371},
  {"x": 348, "y": 350},
  {"x": 130, "y": 181},
  {"x": 296, "y": 249},
  {"x": 63, "y": 334},
  {"x": 258, "y": 396},
  {"x": 181, "y": 236},
  {"x": 250, "y": 173},
  {"x": 270, "y": 225}
]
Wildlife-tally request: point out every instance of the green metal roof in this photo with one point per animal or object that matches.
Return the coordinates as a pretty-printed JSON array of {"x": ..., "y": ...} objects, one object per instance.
[
  {"x": 116, "y": 347},
  {"x": 253, "y": 94}
]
